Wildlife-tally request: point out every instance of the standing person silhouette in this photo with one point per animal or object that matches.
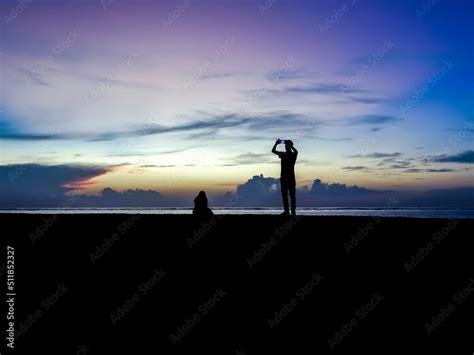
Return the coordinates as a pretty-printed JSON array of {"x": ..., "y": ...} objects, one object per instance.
[{"x": 287, "y": 176}]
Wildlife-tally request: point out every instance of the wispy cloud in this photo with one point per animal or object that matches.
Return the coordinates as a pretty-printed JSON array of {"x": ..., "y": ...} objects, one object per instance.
[
  {"x": 195, "y": 128},
  {"x": 216, "y": 76},
  {"x": 103, "y": 79},
  {"x": 290, "y": 74},
  {"x": 269, "y": 121},
  {"x": 376, "y": 155},
  {"x": 354, "y": 168},
  {"x": 151, "y": 129},
  {"x": 158, "y": 166},
  {"x": 28, "y": 136},
  {"x": 398, "y": 165},
  {"x": 332, "y": 139},
  {"x": 9, "y": 131},
  {"x": 466, "y": 157},
  {"x": 318, "y": 88},
  {"x": 367, "y": 99},
  {"x": 420, "y": 170},
  {"x": 375, "y": 120},
  {"x": 247, "y": 159}
]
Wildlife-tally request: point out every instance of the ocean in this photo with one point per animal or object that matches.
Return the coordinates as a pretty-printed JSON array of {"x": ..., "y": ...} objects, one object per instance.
[{"x": 304, "y": 211}]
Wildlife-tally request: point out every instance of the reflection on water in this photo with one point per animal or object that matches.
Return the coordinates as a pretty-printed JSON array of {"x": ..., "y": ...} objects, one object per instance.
[{"x": 308, "y": 211}]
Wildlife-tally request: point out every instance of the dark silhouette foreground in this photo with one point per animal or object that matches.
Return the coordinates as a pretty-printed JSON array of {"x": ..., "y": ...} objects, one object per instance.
[
  {"x": 201, "y": 209},
  {"x": 250, "y": 283}
]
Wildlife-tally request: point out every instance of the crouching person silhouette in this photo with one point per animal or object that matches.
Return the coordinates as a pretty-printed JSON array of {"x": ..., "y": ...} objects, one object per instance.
[
  {"x": 201, "y": 210},
  {"x": 287, "y": 176}
]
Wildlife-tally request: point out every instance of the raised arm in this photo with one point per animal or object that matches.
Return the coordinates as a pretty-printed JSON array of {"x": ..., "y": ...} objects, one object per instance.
[{"x": 274, "y": 149}]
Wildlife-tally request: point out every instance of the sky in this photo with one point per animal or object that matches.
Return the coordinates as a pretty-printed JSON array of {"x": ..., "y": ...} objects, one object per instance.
[{"x": 181, "y": 96}]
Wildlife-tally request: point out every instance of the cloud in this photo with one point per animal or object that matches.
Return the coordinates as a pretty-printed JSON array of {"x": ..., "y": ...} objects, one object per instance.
[
  {"x": 38, "y": 79},
  {"x": 247, "y": 159},
  {"x": 420, "y": 170},
  {"x": 375, "y": 120},
  {"x": 33, "y": 77},
  {"x": 290, "y": 74},
  {"x": 42, "y": 185},
  {"x": 367, "y": 100},
  {"x": 108, "y": 80},
  {"x": 260, "y": 191},
  {"x": 384, "y": 155},
  {"x": 128, "y": 198},
  {"x": 378, "y": 121},
  {"x": 157, "y": 166},
  {"x": 467, "y": 129},
  {"x": 224, "y": 121},
  {"x": 319, "y": 88},
  {"x": 462, "y": 197},
  {"x": 216, "y": 76},
  {"x": 466, "y": 157},
  {"x": 342, "y": 139},
  {"x": 376, "y": 155},
  {"x": 140, "y": 153},
  {"x": 277, "y": 121},
  {"x": 28, "y": 136},
  {"x": 338, "y": 93},
  {"x": 34, "y": 185},
  {"x": 399, "y": 165},
  {"x": 354, "y": 168},
  {"x": 10, "y": 132},
  {"x": 336, "y": 189},
  {"x": 271, "y": 121}
]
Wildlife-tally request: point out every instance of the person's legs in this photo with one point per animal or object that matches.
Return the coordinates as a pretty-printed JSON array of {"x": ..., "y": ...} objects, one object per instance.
[
  {"x": 284, "y": 194},
  {"x": 292, "y": 189}
]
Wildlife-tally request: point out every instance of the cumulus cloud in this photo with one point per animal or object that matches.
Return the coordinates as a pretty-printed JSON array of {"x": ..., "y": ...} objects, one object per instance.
[
  {"x": 34, "y": 185},
  {"x": 128, "y": 198},
  {"x": 42, "y": 185},
  {"x": 260, "y": 191}
]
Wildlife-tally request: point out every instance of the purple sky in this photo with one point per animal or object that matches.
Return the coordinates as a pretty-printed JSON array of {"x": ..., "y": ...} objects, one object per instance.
[{"x": 179, "y": 96}]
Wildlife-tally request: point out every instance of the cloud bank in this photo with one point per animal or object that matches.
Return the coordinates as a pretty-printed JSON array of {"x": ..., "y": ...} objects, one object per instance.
[{"x": 35, "y": 186}]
